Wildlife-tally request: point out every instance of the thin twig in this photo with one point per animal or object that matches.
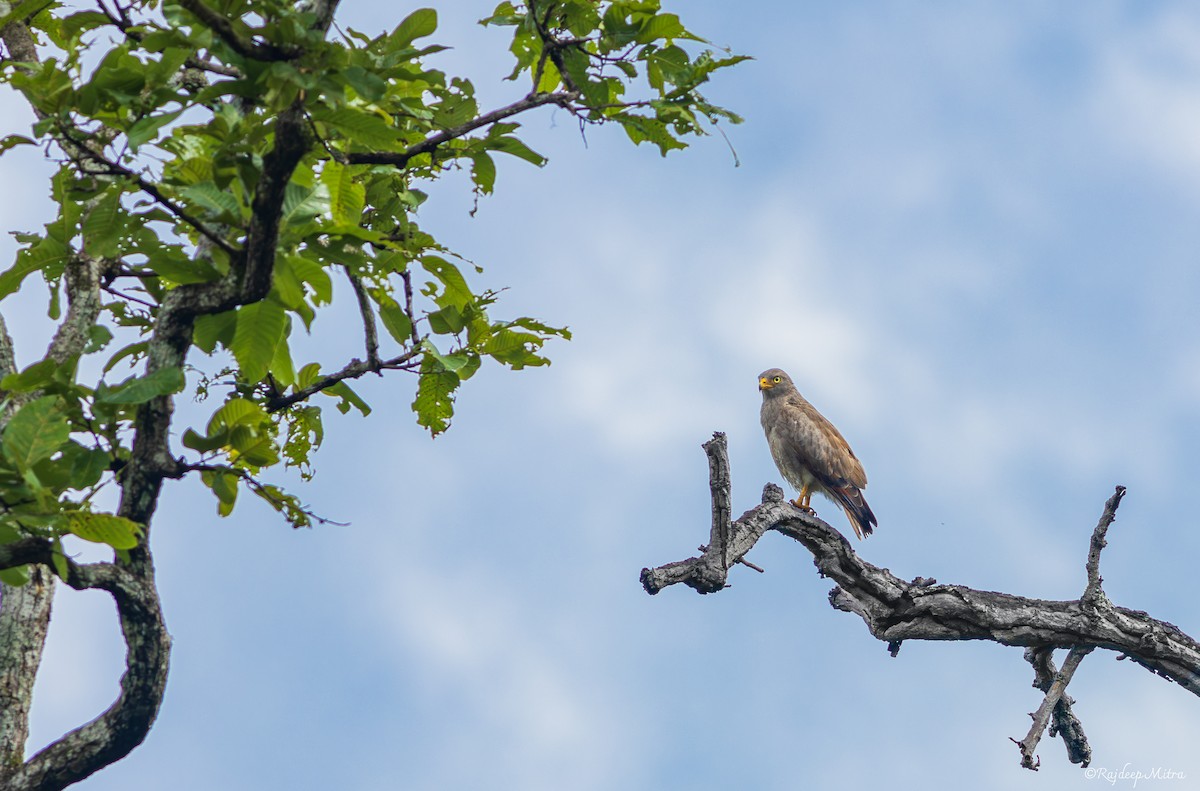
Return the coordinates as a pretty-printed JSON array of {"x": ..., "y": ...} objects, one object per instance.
[
  {"x": 1064, "y": 723},
  {"x": 151, "y": 189},
  {"x": 719, "y": 486},
  {"x": 368, "y": 317},
  {"x": 248, "y": 48},
  {"x": 406, "y": 276},
  {"x": 1042, "y": 716},
  {"x": 1093, "y": 594},
  {"x": 352, "y": 370},
  {"x": 401, "y": 158}
]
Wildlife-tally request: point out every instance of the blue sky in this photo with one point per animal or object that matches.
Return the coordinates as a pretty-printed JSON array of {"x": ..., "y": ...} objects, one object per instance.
[{"x": 969, "y": 233}]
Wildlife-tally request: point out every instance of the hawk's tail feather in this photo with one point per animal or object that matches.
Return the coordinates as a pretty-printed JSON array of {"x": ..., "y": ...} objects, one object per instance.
[{"x": 862, "y": 519}]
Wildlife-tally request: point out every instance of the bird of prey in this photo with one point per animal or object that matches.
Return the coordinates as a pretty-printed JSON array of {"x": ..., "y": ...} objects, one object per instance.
[{"x": 811, "y": 454}]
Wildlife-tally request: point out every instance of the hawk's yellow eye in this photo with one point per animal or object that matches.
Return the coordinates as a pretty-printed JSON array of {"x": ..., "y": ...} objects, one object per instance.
[{"x": 778, "y": 379}]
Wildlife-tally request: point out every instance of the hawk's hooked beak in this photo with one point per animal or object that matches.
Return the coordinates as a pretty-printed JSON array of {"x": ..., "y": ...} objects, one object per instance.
[{"x": 764, "y": 383}]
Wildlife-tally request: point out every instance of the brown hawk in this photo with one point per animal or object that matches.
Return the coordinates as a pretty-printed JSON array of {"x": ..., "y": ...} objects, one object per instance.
[{"x": 811, "y": 454}]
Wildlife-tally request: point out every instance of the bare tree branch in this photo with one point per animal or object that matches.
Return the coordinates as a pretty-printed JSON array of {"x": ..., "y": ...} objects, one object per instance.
[
  {"x": 1054, "y": 694},
  {"x": 1064, "y": 723},
  {"x": 895, "y": 610},
  {"x": 370, "y": 331},
  {"x": 1093, "y": 595}
]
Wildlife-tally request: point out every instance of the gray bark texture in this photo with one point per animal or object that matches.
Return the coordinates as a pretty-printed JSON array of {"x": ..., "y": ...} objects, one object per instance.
[{"x": 896, "y": 610}]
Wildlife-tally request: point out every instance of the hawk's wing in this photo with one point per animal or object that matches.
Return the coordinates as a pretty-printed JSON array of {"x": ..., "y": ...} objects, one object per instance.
[{"x": 816, "y": 444}]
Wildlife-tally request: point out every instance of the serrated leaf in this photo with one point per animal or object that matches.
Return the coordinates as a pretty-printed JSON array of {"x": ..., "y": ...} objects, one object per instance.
[
  {"x": 303, "y": 204},
  {"x": 259, "y": 328},
  {"x": 116, "y": 531},
  {"x": 209, "y": 196},
  {"x": 37, "y": 431},
  {"x": 434, "y": 403},
  {"x": 101, "y": 229},
  {"x": 366, "y": 84},
  {"x": 87, "y": 465},
  {"x": 641, "y": 129},
  {"x": 139, "y": 390},
  {"x": 360, "y": 126},
  {"x": 347, "y": 197},
  {"x": 455, "y": 290},
  {"x": 225, "y": 486}
]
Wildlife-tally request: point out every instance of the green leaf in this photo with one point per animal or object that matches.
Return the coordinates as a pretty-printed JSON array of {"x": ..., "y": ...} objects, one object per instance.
[
  {"x": 134, "y": 350},
  {"x": 641, "y": 129},
  {"x": 98, "y": 337},
  {"x": 101, "y": 229},
  {"x": 514, "y": 147},
  {"x": 46, "y": 254},
  {"x": 225, "y": 486},
  {"x": 59, "y": 560},
  {"x": 214, "y": 328},
  {"x": 259, "y": 329},
  {"x": 139, "y": 390},
  {"x": 25, "y": 10},
  {"x": 146, "y": 129},
  {"x": 37, "y": 431},
  {"x": 348, "y": 397},
  {"x": 15, "y": 576},
  {"x": 34, "y": 377},
  {"x": 307, "y": 375},
  {"x": 8, "y": 533},
  {"x": 12, "y": 141},
  {"x": 116, "y": 531},
  {"x": 363, "y": 127},
  {"x": 483, "y": 172},
  {"x": 87, "y": 465},
  {"x": 203, "y": 444},
  {"x": 209, "y": 196},
  {"x": 236, "y": 412},
  {"x": 455, "y": 290},
  {"x": 418, "y": 24},
  {"x": 347, "y": 198},
  {"x": 434, "y": 403},
  {"x": 394, "y": 319}
]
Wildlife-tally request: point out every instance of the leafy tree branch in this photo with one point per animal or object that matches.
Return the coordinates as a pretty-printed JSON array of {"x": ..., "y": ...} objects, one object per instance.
[{"x": 217, "y": 165}]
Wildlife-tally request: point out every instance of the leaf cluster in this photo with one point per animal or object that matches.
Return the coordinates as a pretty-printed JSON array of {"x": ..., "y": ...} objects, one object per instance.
[{"x": 168, "y": 121}]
